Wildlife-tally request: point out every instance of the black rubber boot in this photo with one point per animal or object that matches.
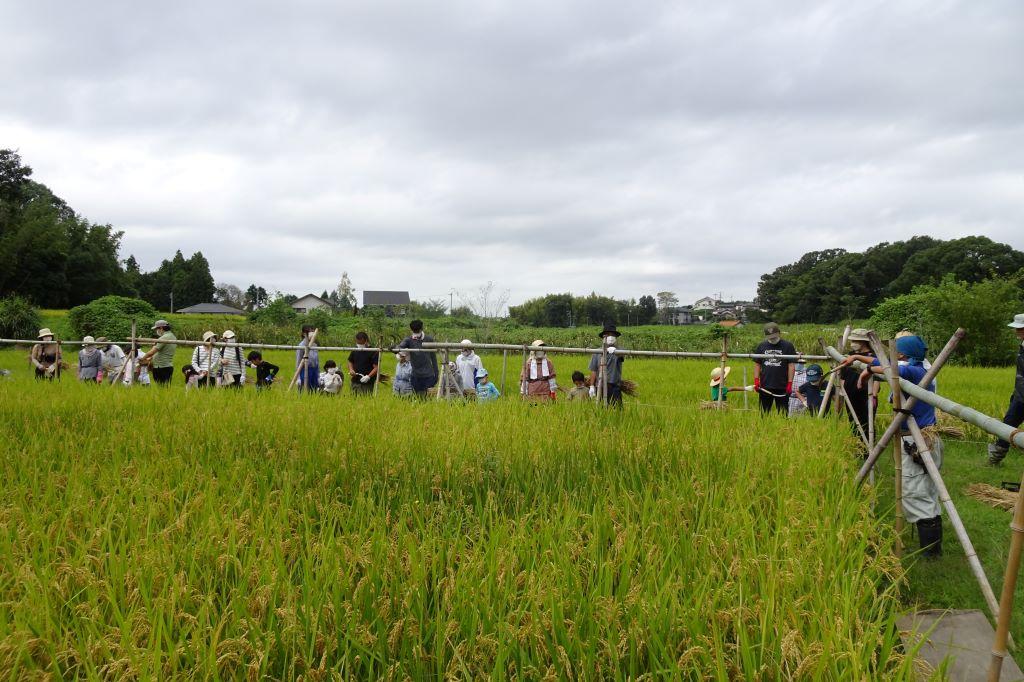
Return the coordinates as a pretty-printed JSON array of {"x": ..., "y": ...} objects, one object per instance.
[{"x": 930, "y": 532}]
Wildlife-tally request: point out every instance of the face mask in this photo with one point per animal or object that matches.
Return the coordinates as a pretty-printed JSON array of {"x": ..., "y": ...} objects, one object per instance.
[
  {"x": 360, "y": 345},
  {"x": 467, "y": 352},
  {"x": 332, "y": 370},
  {"x": 539, "y": 355},
  {"x": 609, "y": 340}
]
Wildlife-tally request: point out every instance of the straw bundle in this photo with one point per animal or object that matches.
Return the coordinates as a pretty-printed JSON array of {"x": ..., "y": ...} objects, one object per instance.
[
  {"x": 713, "y": 405},
  {"x": 948, "y": 427},
  {"x": 992, "y": 496},
  {"x": 629, "y": 387}
]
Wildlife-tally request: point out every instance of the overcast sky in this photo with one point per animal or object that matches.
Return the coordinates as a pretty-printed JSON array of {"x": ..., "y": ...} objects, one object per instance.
[{"x": 618, "y": 147}]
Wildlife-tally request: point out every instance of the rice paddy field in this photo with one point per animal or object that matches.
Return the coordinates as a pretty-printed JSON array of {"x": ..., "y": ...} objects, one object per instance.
[{"x": 159, "y": 533}]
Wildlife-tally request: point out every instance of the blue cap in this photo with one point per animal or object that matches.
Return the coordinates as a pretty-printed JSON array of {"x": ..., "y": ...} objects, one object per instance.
[
  {"x": 912, "y": 346},
  {"x": 814, "y": 372}
]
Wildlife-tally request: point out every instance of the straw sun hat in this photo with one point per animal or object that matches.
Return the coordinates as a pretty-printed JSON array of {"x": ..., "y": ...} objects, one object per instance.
[
  {"x": 45, "y": 331},
  {"x": 716, "y": 375}
]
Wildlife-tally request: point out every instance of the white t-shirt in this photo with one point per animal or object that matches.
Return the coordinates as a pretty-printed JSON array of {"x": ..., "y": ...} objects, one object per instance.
[{"x": 129, "y": 371}]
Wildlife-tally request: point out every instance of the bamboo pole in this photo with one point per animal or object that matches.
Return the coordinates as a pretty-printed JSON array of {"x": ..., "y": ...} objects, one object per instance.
[
  {"x": 380, "y": 360},
  {"x": 721, "y": 369},
  {"x": 745, "y": 405},
  {"x": 954, "y": 518},
  {"x": 897, "y": 443},
  {"x": 522, "y": 382},
  {"x": 832, "y": 377},
  {"x": 841, "y": 393},
  {"x": 504, "y": 368},
  {"x": 840, "y": 388},
  {"x": 442, "y": 381},
  {"x": 899, "y": 418},
  {"x": 434, "y": 347},
  {"x": 1009, "y": 586}
]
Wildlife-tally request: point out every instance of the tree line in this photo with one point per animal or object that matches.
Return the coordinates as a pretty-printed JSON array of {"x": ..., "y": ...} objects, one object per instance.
[
  {"x": 55, "y": 258},
  {"x": 566, "y": 310},
  {"x": 835, "y": 284}
]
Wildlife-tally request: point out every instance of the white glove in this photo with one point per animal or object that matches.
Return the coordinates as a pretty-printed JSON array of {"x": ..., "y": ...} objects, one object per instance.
[
  {"x": 364, "y": 379},
  {"x": 611, "y": 350},
  {"x": 593, "y": 392}
]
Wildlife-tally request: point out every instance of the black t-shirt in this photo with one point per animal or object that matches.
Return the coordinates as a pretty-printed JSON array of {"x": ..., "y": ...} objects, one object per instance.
[
  {"x": 265, "y": 373},
  {"x": 813, "y": 395},
  {"x": 849, "y": 377},
  {"x": 775, "y": 371},
  {"x": 364, "y": 360}
]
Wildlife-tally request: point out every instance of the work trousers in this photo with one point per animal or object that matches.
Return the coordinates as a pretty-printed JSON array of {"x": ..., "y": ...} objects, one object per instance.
[
  {"x": 1014, "y": 417},
  {"x": 781, "y": 403}
]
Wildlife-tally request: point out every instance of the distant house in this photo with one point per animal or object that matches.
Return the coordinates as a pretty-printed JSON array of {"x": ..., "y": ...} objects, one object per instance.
[
  {"x": 210, "y": 309},
  {"x": 681, "y": 315},
  {"x": 706, "y": 303},
  {"x": 733, "y": 310},
  {"x": 732, "y": 324},
  {"x": 309, "y": 303},
  {"x": 393, "y": 302}
]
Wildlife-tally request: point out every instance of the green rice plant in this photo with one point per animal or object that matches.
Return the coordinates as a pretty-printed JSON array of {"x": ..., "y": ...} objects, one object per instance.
[{"x": 154, "y": 532}]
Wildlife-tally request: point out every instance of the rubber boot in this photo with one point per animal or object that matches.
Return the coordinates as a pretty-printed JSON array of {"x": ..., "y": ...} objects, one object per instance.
[
  {"x": 997, "y": 453},
  {"x": 930, "y": 532}
]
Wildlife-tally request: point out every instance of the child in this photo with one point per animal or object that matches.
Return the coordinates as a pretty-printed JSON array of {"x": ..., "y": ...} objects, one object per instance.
[
  {"x": 191, "y": 377},
  {"x": 810, "y": 392},
  {"x": 485, "y": 390},
  {"x": 716, "y": 384},
  {"x": 330, "y": 380},
  {"x": 135, "y": 373},
  {"x": 265, "y": 371},
  {"x": 402, "y": 384},
  {"x": 579, "y": 390}
]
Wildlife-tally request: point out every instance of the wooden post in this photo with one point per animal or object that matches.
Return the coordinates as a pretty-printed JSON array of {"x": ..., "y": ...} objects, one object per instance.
[
  {"x": 60, "y": 356},
  {"x": 840, "y": 388},
  {"x": 897, "y": 443},
  {"x": 442, "y": 380},
  {"x": 745, "y": 406},
  {"x": 954, "y": 517},
  {"x": 522, "y": 385},
  {"x": 504, "y": 367},
  {"x": 602, "y": 392},
  {"x": 1009, "y": 586},
  {"x": 721, "y": 369},
  {"x": 380, "y": 361}
]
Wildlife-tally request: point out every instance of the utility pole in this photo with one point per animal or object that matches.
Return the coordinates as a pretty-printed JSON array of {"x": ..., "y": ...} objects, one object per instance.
[
  {"x": 172, "y": 299},
  {"x": 451, "y": 302}
]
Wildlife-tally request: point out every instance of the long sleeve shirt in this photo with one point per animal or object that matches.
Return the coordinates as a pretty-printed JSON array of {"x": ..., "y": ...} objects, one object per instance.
[
  {"x": 313, "y": 357},
  {"x": 402, "y": 383},
  {"x": 467, "y": 366},
  {"x": 231, "y": 360},
  {"x": 89, "y": 364},
  {"x": 201, "y": 357},
  {"x": 113, "y": 358}
]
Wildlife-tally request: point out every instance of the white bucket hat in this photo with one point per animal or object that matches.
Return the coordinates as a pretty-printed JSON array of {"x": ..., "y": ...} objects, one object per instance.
[
  {"x": 45, "y": 331},
  {"x": 716, "y": 375},
  {"x": 466, "y": 343},
  {"x": 161, "y": 323},
  {"x": 228, "y": 334},
  {"x": 1018, "y": 322},
  {"x": 88, "y": 341},
  {"x": 208, "y": 335}
]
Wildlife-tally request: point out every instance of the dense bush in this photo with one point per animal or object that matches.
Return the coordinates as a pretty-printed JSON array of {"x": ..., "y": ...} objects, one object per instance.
[
  {"x": 935, "y": 312},
  {"x": 111, "y": 316},
  {"x": 279, "y": 312},
  {"x": 18, "y": 319}
]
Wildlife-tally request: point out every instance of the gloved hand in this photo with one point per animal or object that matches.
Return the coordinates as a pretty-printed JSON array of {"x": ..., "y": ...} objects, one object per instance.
[
  {"x": 364, "y": 379},
  {"x": 789, "y": 388},
  {"x": 593, "y": 392},
  {"x": 757, "y": 384},
  {"x": 553, "y": 394},
  {"x": 611, "y": 350}
]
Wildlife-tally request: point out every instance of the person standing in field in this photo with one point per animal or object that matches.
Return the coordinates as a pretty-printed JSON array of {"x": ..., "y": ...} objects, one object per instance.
[
  {"x": 921, "y": 504},
  {"x": 161, "y": 356},
  {"x": 424, "y": 365},
  {"x": 773, "y": 376},
  {"x": 113, "y": 358},
  {"x": 363, "y": 366},
  {"x": 612, "y": 366},
  {"x": 486, "y": 391},
  {"x": 579, "y": 389},
  {"x": 231, "y": 365},
  {"x": 862, "y": 394},
  {"x": 90, "y": 361},
  {"x": 309, "y": 376},
  {"x": 469, "y": 364},
  {"x": 402, "y": 384},
  {"x": 45, "y": 356},
  {"x": 537, "y": 378},
  {"x": 203, "y": 360},
  {"x": 266, "y": 372},
  {"x": 1015, "y": 412}
]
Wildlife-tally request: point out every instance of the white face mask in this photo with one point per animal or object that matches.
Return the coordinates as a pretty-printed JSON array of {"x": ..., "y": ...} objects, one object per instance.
[
  {"x": 332, "y": 370},
  {"x": 467, "y": 352},
  {"x": 360, "y": 345}
]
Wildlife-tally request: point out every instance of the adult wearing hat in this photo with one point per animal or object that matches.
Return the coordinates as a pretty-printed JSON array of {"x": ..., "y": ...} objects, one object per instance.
[
  {"x": 612, "y": 366},
  {"x": 90, "y": 360},
  {"x": 537, "y": 378},
  {"x": 45, "y": 355},
  {"x": 862, "y": 394},
  {"x": 204, "y": 358},
  {"x": 468, "y": 364},
  {"x": 1015, "y": 412},
  {"x": 230, "y": 360},
  {"x": 773, "y": 376},
  {"x": 113, "y": 358},
  {"x": 161, "y": 356}
]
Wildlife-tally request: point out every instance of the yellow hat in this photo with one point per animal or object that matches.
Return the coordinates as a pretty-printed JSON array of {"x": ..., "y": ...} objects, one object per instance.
[{"x": 716, "y": 375}]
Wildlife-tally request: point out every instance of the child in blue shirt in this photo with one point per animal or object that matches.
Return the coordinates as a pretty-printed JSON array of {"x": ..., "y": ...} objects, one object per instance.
[
  {"x": 485, "y": 390},
  {"x": 809, "y": 392}
]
